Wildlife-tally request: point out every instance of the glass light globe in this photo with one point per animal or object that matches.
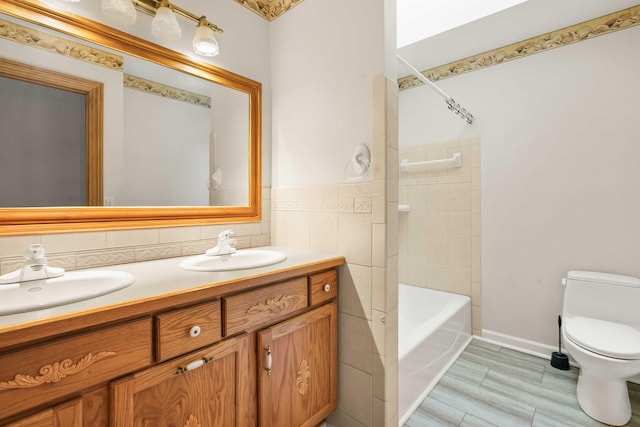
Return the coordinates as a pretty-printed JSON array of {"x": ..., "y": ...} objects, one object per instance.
[
  {"x": 120, "y": 11},
  {"x": 165, "y": 25},
  {"x": 204, "y": 42}
]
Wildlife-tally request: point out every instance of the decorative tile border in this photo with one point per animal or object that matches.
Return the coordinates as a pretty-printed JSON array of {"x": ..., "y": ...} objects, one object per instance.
[
  {"x": 154, "y": 88},
  {"x": 359, "y": 205},
  {"x": 269, "y": 9},
  {"x": 596, "y": 27},
  {"x": 34, "y": 38}
]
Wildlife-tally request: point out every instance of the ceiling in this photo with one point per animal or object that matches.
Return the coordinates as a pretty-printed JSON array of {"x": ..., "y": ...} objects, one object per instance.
[{"x": 522, "y": 21}]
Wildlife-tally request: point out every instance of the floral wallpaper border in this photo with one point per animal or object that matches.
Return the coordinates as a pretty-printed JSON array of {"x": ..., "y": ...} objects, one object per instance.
[
  {"x": 596, "y": 27},
  {"x": 34, "y": 38},
  {"x": 155, "y": 88},
  {"x": 269, "y": 9}
]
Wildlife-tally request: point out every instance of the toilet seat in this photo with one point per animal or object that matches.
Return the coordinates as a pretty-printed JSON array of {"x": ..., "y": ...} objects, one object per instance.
[{"x": 606, "y": 338}]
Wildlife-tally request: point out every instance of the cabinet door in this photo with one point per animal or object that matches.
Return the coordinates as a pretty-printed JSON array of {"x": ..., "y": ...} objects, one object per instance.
[
  {"x": 67, "y": 414},
  {"x": 298, "y": 369},
  {"x": 207, "y": 388}
]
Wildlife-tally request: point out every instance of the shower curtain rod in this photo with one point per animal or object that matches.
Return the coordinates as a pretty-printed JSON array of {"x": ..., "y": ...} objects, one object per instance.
[{"x": 451, "y": 103}]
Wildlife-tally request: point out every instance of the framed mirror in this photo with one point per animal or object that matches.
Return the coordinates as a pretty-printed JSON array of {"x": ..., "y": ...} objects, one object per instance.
[{"x": 211, "y": 172}]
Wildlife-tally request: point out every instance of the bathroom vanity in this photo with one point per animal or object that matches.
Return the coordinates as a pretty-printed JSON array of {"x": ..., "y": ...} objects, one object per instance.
[{"x": 183, "y": 348}]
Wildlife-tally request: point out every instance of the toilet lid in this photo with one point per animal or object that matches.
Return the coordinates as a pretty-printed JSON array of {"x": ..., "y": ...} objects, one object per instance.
[{"x": 605, "y": 338}]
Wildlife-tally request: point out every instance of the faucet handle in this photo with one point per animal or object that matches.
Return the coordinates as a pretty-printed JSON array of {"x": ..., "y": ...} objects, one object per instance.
[
  {"x": 225, "y": 235},
  {"x": 35, "y": 254}
]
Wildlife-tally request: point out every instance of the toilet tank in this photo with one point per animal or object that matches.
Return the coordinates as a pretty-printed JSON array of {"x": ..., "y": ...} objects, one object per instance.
[{"x": 602, "y": 296}]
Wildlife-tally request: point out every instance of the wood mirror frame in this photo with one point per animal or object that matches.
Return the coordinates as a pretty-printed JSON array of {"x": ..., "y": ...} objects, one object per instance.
[{"x": 19, "y": 221}]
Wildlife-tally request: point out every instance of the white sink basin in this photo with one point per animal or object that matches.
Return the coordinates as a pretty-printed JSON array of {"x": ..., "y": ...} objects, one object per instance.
[
  {"x": 74, "y": 286},
  {"x": 240, "y": 260}
]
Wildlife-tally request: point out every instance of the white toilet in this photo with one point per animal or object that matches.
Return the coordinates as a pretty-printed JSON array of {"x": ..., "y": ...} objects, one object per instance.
[{"x": 601, "y": 331}]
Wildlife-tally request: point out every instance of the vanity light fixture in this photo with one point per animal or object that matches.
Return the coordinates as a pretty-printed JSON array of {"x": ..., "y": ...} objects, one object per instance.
[
  {"x": 205, "y": 43},
  {"x": 122, "y": 11},
  {"x": 165, "y": 25}
]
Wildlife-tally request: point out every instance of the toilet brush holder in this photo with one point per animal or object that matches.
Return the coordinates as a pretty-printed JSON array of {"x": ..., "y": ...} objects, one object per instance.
[{"x": 559, "y": 360}]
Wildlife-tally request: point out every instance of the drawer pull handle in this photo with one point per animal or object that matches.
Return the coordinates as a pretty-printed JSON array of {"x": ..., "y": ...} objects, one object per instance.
[
  {"x": 193, "y": 365},
  {"x": 268, "y": 360},
  {"x": 195, "y": 331},
  {"x": 327, "y": 287}
]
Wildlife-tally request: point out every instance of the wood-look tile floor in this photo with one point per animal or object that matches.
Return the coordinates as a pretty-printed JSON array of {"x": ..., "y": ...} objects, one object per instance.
[{"x": 491, "y": 385}]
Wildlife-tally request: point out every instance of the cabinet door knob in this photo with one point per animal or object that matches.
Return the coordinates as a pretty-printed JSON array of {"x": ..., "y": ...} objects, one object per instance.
[
  {"x": 327, "y": 287},
  {"x": 268, "y": 360},
  {"x": 195, "y": 331}
]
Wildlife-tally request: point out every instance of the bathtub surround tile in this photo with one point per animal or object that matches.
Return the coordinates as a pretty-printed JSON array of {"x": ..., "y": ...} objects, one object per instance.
[
  {"x": 460, "y": 252},
  {"x": 445, "y": 215},
  {"x": 460, "y": 280},
  {"x": 459, "y": 224},
  {"x": 460, "y": 197}
]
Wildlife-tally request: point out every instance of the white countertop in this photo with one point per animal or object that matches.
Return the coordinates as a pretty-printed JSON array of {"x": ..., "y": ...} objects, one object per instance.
[{"x": 161, "y": 278}]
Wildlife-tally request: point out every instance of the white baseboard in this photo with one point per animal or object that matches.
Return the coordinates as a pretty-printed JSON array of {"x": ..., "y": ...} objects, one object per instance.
[{"x": 530, "y": 347}]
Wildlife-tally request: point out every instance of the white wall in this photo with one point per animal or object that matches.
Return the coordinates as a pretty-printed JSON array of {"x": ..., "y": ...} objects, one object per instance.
[
  {"x": 164, "y": 165},
  {"x": 325, "y": 54},
  {"x": 559, "y": 185}
]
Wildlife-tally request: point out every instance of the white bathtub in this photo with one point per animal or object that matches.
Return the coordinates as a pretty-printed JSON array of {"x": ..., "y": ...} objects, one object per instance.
[{"x": 434, "y": 327}]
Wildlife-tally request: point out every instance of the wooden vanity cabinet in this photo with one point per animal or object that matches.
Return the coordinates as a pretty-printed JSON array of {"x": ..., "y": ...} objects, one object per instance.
[{"x": 260, "y": 355}]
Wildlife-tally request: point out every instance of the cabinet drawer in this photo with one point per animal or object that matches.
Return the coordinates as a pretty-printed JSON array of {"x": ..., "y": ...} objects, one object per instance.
[
  {"x": 186, "y": 329},
  {"x": 323, "y": 287},
  {"x": 248, "y": 309},
  {"x": 43, "y": 372}
]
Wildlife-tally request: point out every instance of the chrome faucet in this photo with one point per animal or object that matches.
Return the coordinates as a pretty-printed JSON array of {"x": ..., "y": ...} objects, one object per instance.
[
  {"x": 225, "y": 246},
  {"x": 35, "y": 267}
]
